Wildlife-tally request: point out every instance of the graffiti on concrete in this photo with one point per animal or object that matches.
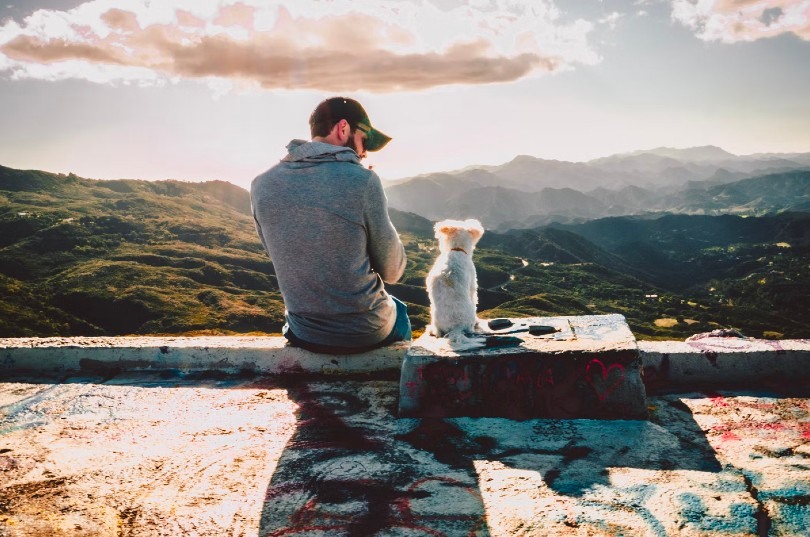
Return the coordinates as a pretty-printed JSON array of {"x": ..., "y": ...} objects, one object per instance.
[
  {"x": 133, "y": 455},
  {"x": 342, "y": 474},
  {"x": 739, "y": 519},
  {"x": 517, "y": 387},
  {"x": 713, "y": 347},
  {"x": 605, "y": 380},
  {"x": 8, "y": 362},
  {"x": 581, "y": 477}
]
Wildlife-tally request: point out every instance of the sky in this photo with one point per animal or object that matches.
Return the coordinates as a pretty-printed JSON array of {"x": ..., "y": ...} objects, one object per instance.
[{"x": 215, "y": 89}]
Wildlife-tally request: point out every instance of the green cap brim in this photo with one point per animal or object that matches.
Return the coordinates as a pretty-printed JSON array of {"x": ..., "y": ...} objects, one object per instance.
[{"x": 375, "y": 140}]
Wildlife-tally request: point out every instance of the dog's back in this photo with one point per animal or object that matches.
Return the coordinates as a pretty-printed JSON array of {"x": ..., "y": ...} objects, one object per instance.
[{"x": 452, "y": 284}]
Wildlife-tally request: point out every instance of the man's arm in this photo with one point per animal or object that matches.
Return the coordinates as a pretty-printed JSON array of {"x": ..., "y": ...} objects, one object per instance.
[{"x": 384, "y": 246}]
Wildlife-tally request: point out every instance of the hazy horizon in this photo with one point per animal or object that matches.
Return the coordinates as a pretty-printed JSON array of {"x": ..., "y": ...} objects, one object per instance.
[
  {"x": 462, "y": 167},
  {"x": 426, "y": 173}
]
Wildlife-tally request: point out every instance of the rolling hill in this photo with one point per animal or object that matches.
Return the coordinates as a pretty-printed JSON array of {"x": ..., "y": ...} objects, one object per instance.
[
  {"x": 79, "y": 256},
  {"x": 87, "y": 257}
]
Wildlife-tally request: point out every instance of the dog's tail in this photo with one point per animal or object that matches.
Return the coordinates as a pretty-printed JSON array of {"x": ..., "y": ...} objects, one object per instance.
[{"x": 461, "y": 341}]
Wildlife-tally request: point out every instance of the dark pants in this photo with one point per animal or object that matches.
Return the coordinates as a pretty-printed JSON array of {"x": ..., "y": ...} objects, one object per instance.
[{"x": 400, "y": 332}]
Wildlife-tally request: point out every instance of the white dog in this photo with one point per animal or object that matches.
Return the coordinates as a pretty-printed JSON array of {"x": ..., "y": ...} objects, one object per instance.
[{"x": 453, "y": 286}]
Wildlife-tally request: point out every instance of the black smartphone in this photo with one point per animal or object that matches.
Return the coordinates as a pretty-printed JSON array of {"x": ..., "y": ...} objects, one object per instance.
[
  {"x": 541, "y": 329},
  {"x": 499, "y": 324}
]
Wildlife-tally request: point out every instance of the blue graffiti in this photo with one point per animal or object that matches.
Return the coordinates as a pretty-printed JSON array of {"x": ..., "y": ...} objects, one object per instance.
[
  {"x": 638, "y": 496},
  {"x": 8, "y": 362},
  {"x": 741, "y": 519},
  {"x": 19, "y": 416},
  {"x": 792, "y": 506}
]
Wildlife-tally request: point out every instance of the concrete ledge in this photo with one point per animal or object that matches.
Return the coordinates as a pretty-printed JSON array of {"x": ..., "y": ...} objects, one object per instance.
[
  {"x": 725, "y": 361},
  {"x": 268, "y": 355},
  {"x": 666, "y": 364}
]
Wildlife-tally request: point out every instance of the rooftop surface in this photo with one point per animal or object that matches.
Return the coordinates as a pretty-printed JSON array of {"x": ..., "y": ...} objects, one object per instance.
[
  {"x": 145, "y": 453},
  {"x": 247, "y": 436}
]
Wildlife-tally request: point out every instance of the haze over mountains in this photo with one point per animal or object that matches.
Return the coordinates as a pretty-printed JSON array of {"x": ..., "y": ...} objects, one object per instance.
[
  {"x": 90, "y": 257},
  {"x": 528, "y": 191}
]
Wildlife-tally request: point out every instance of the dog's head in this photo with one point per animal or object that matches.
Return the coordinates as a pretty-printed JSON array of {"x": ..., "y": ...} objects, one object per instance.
[{"x": 458, "y": 234}]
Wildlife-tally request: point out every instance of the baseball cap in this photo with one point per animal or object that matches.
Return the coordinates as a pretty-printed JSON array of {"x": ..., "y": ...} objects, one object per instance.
[{"x": 333, "y": 110}]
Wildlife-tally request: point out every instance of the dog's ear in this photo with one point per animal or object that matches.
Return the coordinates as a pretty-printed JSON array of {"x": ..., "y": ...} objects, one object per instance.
[
  {"x": 445, "y": 227},
  {"x": 475, "y": 228},
  {"x": 439, "y": 228}
]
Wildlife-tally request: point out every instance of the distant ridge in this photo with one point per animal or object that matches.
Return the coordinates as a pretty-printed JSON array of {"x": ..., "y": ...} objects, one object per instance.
[
  {"x": 34, "y": 180},
  {"x": 528, "y": 191},
  {"x": 694, "y": 154}
]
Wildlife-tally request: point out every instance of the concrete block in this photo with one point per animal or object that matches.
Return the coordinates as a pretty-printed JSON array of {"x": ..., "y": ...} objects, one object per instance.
[
  {"x": 718, "y": 362},
  {"x": 589, "y": 368}
]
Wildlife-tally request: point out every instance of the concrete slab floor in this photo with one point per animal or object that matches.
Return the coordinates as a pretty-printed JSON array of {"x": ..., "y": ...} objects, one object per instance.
[{"x": 165, "y": 455}]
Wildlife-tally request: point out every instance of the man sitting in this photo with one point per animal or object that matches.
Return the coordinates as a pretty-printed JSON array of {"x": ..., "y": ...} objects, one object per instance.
[{"x": 323, "y": 219}]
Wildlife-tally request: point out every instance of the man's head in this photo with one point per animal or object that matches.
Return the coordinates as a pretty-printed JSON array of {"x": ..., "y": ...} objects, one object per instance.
[{"x": 345, "y": 121}]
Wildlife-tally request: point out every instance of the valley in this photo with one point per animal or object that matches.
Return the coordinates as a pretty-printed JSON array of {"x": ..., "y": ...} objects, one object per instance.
[{"x": 87, "y": 257}]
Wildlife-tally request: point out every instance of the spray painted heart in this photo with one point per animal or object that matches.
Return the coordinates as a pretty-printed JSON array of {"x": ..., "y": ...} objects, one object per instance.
[{"x": 600, "y": 381}]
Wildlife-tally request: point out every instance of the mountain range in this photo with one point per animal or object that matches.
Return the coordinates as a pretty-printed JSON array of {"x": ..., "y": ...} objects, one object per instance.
[
  {"x": 527, "y": 191},
  {"x": 88, "y": 257}
]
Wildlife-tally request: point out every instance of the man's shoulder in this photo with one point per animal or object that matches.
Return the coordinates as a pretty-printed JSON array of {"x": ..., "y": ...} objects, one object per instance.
[
  {"x": 348, "y": 175},
  {"x": 357, "y": 172},
  {"x": 333, "y": 170}
]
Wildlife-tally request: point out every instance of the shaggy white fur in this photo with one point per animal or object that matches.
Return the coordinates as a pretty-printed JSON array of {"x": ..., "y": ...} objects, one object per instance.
[{"x": 452, "y": 284}]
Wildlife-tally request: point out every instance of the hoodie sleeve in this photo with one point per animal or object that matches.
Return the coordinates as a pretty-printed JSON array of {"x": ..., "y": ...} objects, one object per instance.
[{"x": 384, "y": 246}]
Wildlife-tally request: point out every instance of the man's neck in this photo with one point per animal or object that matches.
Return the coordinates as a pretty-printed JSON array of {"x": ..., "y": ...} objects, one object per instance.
[{"x": 326, "y": 140}]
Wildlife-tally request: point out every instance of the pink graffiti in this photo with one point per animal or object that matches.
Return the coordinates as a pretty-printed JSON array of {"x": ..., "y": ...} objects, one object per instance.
[
  {"x": 411, "y": 387},
  {"x": 776, "y": 345},
  {"x": 717, "y": 399},
  {"x": 767, "y": 430},
  {"x": 602, "y": 389}
]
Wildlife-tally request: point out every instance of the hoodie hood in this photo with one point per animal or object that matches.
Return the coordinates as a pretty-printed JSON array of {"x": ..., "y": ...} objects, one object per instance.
[{"x": 301, "y": 151}]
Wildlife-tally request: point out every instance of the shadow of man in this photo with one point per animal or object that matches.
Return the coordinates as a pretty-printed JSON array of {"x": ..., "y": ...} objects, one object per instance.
[
  {"x": 353, "y": 468},
  {"x": 345, "y": 471}
]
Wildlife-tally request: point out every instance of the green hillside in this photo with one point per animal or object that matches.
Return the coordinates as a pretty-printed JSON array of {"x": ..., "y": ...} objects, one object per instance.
[
  {"x": 83, "y": 257},
  {"x": 86, "y": 257}
]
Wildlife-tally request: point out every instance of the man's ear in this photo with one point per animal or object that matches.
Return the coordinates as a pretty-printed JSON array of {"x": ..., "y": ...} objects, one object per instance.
[{"x": 342, "y": 130}]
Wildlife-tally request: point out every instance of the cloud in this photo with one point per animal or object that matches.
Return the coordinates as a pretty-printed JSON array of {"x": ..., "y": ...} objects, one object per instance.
[
  {"x": 731, "y": 21},
  {"x": 392, "y": 45},
  {"x": 611, "y": 19}
]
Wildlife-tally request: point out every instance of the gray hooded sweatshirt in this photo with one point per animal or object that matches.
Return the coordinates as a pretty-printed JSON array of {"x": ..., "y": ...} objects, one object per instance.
[{"x": 323, "y": 219}]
